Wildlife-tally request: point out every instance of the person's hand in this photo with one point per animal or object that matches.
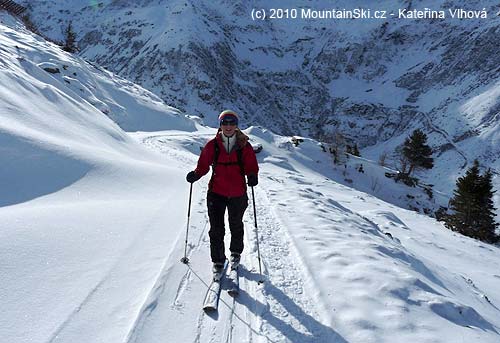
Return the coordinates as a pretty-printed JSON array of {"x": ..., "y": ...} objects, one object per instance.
[
  {"x": 192, "y": 177},
  {"x": 253, "y": 180}
]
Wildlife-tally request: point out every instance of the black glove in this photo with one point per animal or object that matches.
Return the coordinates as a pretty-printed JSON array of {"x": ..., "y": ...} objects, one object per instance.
[
  {"x": 252, "y": 180},
  {"x": 192, "y": 177}
]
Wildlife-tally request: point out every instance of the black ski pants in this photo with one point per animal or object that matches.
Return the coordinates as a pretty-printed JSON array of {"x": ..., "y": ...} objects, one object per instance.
[{"x": 236, "y": 207}]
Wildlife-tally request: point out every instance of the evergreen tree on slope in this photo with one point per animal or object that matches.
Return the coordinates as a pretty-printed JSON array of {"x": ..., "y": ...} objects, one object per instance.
[
  {"x": 69, "y": 39},
  {"x": 472, "y": 206},
  {"x": 487, "y": 225},
  {"x": 417, "y": 152}
]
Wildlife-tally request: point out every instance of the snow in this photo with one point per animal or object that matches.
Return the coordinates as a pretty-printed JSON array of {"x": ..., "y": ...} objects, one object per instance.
[
  {"x": 476, "y": 108},
  {"x": 93, "y": 220},
  {"x": 370, "y": 93}
]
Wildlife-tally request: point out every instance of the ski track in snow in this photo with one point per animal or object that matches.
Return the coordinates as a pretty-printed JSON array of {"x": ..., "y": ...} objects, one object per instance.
[
  {"x": 87, "y": 303},
  {"x": 292, "y": 307},
  {"x": 161, "y": 283},
  {"x": 280, "y": 310},
  {"x": 77, "y": 310}
]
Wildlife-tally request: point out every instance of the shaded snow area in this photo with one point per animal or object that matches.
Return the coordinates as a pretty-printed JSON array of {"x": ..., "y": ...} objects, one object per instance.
[{"x": 93, "y": 208}]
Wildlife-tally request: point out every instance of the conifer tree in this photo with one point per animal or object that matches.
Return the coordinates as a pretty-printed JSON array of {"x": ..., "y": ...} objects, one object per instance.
[
  {"x": 463, "y": 203},
  {"x": 487, "y": 225},
  {"x": 472, "y": 206},
  {"x": 337, "y": 146},
  {"x": 355, "y": 150},
  {"x": 69, "y": 39},
  {"x": 417, "y": 152}
]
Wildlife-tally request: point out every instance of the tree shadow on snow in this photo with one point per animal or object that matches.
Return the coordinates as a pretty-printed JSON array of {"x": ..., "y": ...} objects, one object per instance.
[{"x": 315, "y": 331}]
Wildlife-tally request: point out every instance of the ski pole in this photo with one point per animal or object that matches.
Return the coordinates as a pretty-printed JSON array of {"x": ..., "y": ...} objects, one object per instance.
[
  {"x": 185, "y": 260},
  {"x": 257, "y": 235}
]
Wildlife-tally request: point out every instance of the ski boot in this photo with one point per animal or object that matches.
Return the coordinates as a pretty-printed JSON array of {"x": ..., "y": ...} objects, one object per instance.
[
  {"x": 234, "y": 260},
  {"x": 217, "y": 270}
]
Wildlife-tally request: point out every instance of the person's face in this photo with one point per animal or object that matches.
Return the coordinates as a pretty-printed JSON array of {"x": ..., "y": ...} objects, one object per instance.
[{"x": 228, "y": 127}]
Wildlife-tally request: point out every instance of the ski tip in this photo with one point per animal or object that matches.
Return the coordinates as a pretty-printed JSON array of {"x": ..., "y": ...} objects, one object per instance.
[
  {"x": 209, "y": 309},
  {"x": 233, "y": 293}
]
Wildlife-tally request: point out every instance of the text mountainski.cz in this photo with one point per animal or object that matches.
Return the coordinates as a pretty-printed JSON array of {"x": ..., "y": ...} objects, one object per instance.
[{"x": 362, "y": 13}]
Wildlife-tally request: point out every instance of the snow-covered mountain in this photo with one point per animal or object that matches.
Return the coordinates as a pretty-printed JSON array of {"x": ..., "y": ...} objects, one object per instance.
[
  {"x": 92, "y": 225},
  {"x": 374, "y": 80}
]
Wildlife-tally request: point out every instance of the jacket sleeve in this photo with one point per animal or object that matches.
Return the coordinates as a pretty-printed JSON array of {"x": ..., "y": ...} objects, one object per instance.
[
  {"x": 206, "y": 158},
  {"x": 250, "y": 160}
]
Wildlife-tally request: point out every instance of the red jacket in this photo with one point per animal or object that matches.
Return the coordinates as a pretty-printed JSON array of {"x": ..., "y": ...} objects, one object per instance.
[{"x": 227, "y": 179}]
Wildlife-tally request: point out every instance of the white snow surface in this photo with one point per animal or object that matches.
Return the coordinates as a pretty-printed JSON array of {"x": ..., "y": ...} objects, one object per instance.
[{"x": 93, "y": 221}]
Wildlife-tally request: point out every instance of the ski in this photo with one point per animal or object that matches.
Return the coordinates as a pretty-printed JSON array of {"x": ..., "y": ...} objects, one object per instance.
[
  {"x": 211, "y": 301},
  {"x": 212, "y": 298},
  {"x": 234, "y": 283}
]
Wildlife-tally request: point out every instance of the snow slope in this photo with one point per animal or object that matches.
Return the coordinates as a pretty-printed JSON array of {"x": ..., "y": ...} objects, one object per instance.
[
  {"x": 92, "y": 225},
  {"x": 78, "y": 194}
]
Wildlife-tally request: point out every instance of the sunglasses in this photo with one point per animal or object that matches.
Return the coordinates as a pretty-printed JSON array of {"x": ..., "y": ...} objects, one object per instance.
[{"x": 228, "y": 122}]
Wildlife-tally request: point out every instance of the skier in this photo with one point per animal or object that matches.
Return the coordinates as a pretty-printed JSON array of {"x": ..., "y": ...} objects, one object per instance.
[{"x": 231, "y": 157}]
